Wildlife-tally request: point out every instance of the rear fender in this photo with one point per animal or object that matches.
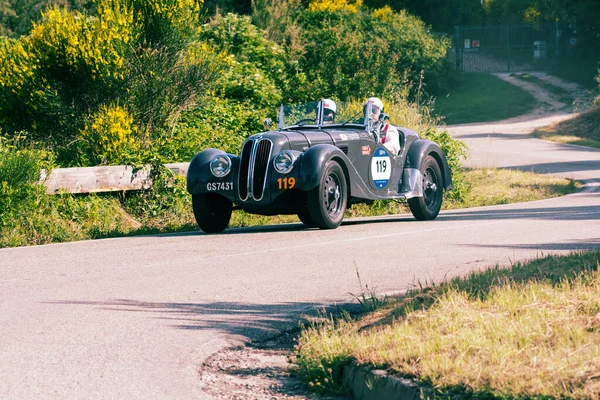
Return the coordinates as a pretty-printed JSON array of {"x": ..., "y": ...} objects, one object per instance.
[{"x": 421, "y": 149}]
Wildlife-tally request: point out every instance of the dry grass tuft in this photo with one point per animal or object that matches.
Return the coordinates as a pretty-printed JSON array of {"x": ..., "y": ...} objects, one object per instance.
[
  {"x": 583, "y": 130},
  {"x": 533, "y": 331}
]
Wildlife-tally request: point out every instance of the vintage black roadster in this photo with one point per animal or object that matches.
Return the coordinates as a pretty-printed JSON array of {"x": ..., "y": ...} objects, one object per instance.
[{"x": 316, "y": 169}]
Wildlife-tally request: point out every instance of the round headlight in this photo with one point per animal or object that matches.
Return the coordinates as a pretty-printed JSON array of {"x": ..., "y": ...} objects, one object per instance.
[
  {"x": 220, "y": 165},
  {"x": 284, "y": 162}
]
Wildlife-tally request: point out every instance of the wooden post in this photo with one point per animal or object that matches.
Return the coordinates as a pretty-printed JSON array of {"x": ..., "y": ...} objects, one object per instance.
[{"x": 102, "y": 179}]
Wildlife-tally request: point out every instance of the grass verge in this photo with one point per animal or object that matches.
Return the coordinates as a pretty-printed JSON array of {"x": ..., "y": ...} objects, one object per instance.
[
  {"x": 531, "y": 331},
  {"x": 583, "y": 130},
  {"x": 480, "y": 97},
  {"x": 40, "y": 219}
]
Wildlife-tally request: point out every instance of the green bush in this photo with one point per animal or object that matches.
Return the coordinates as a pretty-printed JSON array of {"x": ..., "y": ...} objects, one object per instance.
[
  {"x": 167, "y": 206},
  {"x": 222, "y": 123},
  {"x": 146, "y": 55},
  {"x": 597, "y": 99},
  {"x": 258, "y": 70},
  {"x": 348, "y": 50}
]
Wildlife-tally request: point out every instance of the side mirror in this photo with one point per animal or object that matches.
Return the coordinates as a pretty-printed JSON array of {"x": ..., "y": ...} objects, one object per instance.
[
  {"x": 384, "y": 117},
  {"x": 268, "y": 122}
]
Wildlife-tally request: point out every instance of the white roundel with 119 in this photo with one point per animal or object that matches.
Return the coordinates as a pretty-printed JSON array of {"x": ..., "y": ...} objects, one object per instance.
[{"x": 381, "y": 168}]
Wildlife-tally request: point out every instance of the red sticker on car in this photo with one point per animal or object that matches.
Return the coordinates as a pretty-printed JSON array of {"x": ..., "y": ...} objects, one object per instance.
[{"x": 366, "y": 150}]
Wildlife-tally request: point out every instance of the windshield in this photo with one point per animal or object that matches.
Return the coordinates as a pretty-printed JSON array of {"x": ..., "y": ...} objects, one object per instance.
[{"x": 321, "y": 113}]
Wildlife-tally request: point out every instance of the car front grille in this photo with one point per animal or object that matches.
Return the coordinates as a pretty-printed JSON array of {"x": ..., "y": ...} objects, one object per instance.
[{"x": 254, "y": 166}]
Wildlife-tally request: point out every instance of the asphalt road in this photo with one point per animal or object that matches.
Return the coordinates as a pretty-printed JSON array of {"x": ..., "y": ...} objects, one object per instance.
[{"x": 135, "y": 317}]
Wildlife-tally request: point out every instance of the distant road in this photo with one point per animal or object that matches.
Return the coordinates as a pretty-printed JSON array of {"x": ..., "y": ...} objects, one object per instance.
[{"x": 134, "y": 318}]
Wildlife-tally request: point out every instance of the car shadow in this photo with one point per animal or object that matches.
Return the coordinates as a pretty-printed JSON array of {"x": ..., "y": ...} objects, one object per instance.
[
  {"x": 576, "y": 213},
  {"x": 289, "y": 227}
]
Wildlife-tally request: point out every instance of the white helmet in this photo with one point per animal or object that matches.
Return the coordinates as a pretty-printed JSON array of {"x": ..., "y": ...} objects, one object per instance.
[
  {"x": 376, "y": 107},
  {"x": 375, "y": 101},
  {"x": 329, "y": 107}
]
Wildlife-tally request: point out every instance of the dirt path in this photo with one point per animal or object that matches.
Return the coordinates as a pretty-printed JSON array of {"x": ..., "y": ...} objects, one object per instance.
[{"x": 578, "y": 99}]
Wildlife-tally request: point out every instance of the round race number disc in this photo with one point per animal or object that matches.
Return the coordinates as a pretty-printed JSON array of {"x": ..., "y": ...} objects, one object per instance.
[{"x": 381, "y": 168}]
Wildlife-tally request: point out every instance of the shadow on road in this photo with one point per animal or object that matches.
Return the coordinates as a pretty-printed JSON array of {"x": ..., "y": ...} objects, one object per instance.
[
  {"x": 573, "y": 245},
  {"x": 291, "y": 227},
  {"x": 253, "y": 321},
  {"x": 559, "y": 167},
  {"x": 502, "y": 136},
  {"x": 258, "y": 370},
  {"x": 579, "y": 213}
]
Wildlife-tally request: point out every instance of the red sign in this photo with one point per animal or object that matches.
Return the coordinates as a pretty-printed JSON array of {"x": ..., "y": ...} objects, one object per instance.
[
  {"x": 366, "y": 150},
  {"x": 475, "y": 43}
]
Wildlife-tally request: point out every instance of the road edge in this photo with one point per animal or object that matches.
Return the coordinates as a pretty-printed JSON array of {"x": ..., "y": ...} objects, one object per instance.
[{"x": 366, "y": 384}]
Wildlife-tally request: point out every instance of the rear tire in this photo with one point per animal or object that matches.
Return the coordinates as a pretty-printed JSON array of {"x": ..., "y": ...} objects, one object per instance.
[
  {"x": 212, "y": 212},
  {"x": 327, "y": 202},
  {"x": 428, "y": 206}
]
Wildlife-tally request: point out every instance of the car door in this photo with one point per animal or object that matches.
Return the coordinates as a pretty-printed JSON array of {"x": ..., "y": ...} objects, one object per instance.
[{"x": 384, "y": 169}]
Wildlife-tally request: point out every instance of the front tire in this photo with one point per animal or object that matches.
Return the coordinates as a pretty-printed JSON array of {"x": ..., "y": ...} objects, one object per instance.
[
  {"x": 327, "y": 202},
  {"x": 212, "y": 212},
  {"x": 428, "y": 206},
  {"x": 306, "y": 219}
]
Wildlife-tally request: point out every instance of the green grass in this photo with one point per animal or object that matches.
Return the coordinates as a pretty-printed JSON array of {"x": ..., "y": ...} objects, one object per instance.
[
  {"x": 492, "y": 186},
  {"x": 583, "y": 130},
  {"x": 480, "y": 97},
  {"x": 530, "y": 331}
]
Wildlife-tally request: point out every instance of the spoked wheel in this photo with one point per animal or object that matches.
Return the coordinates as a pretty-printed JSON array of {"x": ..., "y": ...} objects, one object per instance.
[
  {"x": 428, "y": 207},
  {"x": 212, "y": 212},
  {"x": 327, "y": 202},
  {"x": 306, "y": 219}
]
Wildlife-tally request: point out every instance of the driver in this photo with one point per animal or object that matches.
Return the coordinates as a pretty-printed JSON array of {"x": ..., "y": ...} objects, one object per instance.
[
  {"x": 329, "y": 110},
  {"x": 386, "y": 133}
]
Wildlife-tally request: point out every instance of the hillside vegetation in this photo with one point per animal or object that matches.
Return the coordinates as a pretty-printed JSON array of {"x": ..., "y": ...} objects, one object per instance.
[{"x": 112, "y": 82}]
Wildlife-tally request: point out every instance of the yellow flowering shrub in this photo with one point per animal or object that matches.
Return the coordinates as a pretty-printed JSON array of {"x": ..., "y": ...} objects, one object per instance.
[
  {"x": 334, "y": 5},
  {"x": 18, "y": 72},
  {"x": 110, "y": 136},
  {"x": 385, "y": 14},
  {"x": 84, "y": 45}
]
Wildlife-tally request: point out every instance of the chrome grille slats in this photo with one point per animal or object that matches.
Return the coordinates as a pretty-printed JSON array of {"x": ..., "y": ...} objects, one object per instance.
[
  {"x": 254, "y": 166},
  {"x": 261, "y": 164},
  {"x": 244, "y": 170}
]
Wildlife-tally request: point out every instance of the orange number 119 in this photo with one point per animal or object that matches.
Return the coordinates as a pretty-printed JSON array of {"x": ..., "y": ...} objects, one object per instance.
[{"x": 286, "y": 183}]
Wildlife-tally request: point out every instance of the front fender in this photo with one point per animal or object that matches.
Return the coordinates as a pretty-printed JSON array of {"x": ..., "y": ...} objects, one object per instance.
[
  {"x": 422, "y": 148},
  {"x": 199, "y": 175},
  {"x": 311, "y": 164}
]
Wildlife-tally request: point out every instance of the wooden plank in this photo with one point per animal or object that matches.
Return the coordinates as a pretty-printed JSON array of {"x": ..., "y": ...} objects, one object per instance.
[{"x": 102, "y": 179}]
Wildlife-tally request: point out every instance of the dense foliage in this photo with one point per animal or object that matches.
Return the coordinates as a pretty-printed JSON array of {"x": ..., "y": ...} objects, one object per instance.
[
  {"x": 112, "y": 82},
  {"x": 347, "y": 50},
  {"x": 133, "y": 80},
  {"x": 141, "y": 58}
]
